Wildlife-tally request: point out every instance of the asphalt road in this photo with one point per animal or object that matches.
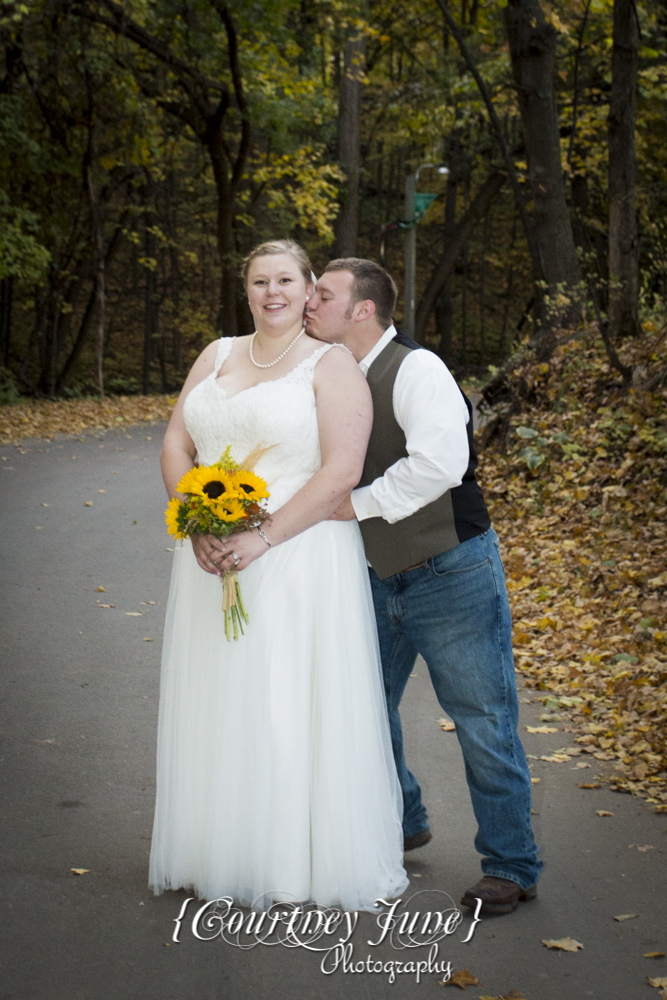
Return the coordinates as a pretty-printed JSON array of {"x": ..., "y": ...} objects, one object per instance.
[{"x": 79, "y": 712}]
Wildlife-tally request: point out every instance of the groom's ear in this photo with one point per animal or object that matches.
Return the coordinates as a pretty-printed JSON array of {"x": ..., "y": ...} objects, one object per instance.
[{"x": 363, "y": 310}]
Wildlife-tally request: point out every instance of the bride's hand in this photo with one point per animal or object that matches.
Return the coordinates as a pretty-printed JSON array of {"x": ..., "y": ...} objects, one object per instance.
[
  {"x": 246, "y": 546},
  {"x": 209, "y": 551}
]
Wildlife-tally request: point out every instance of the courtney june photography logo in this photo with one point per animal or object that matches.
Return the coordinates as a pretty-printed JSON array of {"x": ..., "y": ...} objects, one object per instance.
[{"x": 416, "y": 923}]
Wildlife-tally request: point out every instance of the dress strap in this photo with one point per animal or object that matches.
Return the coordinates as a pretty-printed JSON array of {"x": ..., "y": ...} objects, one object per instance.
[
  {"x": 224, "y": 347},
  {"x": 321, "y": 351}
]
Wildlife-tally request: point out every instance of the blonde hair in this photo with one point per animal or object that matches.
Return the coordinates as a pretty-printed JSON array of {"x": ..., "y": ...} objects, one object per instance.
[{"x": 275, "y": 247}]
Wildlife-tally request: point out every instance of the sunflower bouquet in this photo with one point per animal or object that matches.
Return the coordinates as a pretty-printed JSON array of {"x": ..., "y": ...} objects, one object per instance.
[{"x": 221, "y": 500}]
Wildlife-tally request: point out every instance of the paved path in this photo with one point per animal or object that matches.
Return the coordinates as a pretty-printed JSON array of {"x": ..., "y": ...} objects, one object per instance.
[{"x": 79, "y": 711}]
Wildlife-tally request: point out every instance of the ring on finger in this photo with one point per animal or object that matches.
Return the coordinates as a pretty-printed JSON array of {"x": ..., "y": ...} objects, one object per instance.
[{"x": 236, "y": 558}]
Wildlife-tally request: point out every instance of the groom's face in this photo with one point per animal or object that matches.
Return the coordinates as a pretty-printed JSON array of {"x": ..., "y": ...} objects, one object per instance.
[{"x": 329, "y": 311}]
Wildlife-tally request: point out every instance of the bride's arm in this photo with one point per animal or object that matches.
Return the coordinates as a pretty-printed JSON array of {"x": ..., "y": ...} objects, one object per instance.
[
  {"x": 344, "y": 416},
  {"x": 178, "y": 455},
  {"x": 178, "y": 449}
]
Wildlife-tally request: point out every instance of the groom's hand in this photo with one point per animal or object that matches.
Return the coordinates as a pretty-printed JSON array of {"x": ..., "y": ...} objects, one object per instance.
[{"x": 345, "y": 512}]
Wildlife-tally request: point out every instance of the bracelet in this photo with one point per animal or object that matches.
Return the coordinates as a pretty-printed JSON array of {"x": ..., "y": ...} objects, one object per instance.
[{"x": 261, "y": 534}]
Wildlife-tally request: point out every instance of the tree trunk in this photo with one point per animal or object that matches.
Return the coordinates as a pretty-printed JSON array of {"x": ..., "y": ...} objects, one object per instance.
[
  {"x": 88, "y": 312},
  {"x": 227, "y": 320},
  {"x": 149, "y": 300},
  {"x": 623, "y": 238},
  {"x": 444, "y": 308},
  {"x": 482, "y": 292},
  {"x": 459, "y": 236},
  {"x": 175, "y": 278},
  {"x": 6, "y": 298},
  {"x": 100, "y": 278},
  {"x": 349, "y": 106},
  {"x": 532, "y": 42}
]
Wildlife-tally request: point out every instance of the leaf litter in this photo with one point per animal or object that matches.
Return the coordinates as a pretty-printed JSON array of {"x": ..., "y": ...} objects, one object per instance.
[
  {"x": 581, "y": 519},
  {"x": 46, "y": 419}
]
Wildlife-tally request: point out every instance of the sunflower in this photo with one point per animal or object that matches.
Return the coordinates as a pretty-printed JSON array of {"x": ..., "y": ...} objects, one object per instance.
[
  {"x": 249, "y": 486},
  {"x": 210, "y": 482},
  {"x": 171, "y": 517},
  {"x": 229, "y": 510}
]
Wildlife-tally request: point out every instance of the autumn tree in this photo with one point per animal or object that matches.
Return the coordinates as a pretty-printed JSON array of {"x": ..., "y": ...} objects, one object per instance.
[
  {"x": 623, "y": 236},
  {"x": 532, "y": 40}
]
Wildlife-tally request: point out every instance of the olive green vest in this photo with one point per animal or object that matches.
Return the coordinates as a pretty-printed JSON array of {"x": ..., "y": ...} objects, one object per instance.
[{"x": 391, "y": 548}]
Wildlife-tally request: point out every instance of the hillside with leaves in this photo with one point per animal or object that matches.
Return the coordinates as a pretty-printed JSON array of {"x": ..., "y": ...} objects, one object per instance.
[{"x": 579, "y": 500}]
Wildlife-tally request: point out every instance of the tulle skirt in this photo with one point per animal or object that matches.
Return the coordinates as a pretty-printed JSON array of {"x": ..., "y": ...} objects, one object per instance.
[{"x": 275, "y": 774}]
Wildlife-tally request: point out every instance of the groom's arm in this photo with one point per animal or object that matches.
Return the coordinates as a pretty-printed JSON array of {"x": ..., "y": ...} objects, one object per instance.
[{"x": 431, "y": 412}]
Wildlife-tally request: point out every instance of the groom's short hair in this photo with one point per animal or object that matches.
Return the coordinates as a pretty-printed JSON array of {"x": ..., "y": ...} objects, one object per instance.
[{"x": 370, "y": 282}]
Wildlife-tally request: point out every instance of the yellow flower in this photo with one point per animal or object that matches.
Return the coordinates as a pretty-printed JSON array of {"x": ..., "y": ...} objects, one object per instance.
[
  {"x": 211, "y": 483},
  {"x": 171, "y": 517},
  {"x": 229, "y": 510},
  {"x": 249, "y": 486}
]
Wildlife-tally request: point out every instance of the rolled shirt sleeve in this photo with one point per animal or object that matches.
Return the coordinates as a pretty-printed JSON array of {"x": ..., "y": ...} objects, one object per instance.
[{"x": 431, "y": 411}]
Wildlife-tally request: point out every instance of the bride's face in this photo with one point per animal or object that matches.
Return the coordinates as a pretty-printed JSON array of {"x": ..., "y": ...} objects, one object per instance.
[{"x": 277, "y": 293}]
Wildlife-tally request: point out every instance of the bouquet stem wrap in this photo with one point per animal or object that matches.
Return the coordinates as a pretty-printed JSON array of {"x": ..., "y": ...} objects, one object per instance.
[{"x": 232, "y": 605}]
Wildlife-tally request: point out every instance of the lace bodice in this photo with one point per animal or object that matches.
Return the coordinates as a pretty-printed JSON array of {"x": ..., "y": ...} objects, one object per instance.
[{"x": 280, "y": 412}]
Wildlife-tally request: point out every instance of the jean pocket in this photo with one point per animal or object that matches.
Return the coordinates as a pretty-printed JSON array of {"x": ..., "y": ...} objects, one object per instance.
[{"x": 446, "y": 564}]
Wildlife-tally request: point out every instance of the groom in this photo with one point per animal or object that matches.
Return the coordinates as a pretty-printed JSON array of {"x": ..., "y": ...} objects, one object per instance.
[{"x": 436, "y": 574}]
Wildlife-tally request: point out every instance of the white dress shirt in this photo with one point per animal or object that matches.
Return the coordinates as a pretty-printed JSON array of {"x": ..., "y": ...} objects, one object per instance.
[{"x": 431, "y": 412}]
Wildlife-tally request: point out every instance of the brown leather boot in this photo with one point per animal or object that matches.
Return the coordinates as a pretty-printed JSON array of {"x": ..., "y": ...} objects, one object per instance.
[
  {"x": 417, "y": 840},
  {"x": 498, "y": 895}
]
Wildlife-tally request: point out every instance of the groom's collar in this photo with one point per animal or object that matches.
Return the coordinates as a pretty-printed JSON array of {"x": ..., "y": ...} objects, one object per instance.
[{"x": 388, "y": 335}]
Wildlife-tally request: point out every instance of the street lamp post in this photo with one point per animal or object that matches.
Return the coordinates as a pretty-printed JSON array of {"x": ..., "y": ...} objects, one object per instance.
[{"x": 411, "y": 246}]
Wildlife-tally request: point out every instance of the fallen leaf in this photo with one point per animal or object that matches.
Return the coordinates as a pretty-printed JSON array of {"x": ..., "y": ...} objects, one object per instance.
[
  {"x": 101, "y": 491},
  {"x": 134, "y": 614},
  {"x": 556, "y": 758},
  {"x": 565, "y": 944},
  {"x": 654, "y": 954},
  {"x": 591, "y": 784},
  {"x": 100, "y": 590},
  {"x": 446, "y": 725},
  {"x": 148, "y": 640},
  {"x": 541, "y": 729},
  {"x": 645, "y": 847},
  {"x": 602, "y": 812},
  {"x": 155, "y": 602},
  {"x": 38, "y": 527},
  {"x": 535, "y": 781},
  {"x": 88, "y": 503},
  {"x": 79, "y": 871},
  {"x": 581, "y": 763},
  {"x": 462, "y": 978},
  {"x": 626, "y": 916},
  {"x": 106, "y": 605},
  {"x": 660, "y": 983},
  {"x": 512, "y": 995},
  {"x": 45, "y": 505}
]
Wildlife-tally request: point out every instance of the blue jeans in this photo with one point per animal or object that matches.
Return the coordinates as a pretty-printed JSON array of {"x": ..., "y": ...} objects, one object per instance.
[{"x": 454, "y": 611}]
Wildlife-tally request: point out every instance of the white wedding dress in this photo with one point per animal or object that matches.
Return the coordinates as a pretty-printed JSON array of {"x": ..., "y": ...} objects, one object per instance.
[{"x": 275, "y": 774}]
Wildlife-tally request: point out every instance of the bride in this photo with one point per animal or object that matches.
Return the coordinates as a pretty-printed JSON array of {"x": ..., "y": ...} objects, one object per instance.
[{"x": 275, "y": 774}]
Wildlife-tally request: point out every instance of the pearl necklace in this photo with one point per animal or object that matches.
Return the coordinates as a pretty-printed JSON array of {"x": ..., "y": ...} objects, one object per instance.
[{"x": 280, "y": 356}]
